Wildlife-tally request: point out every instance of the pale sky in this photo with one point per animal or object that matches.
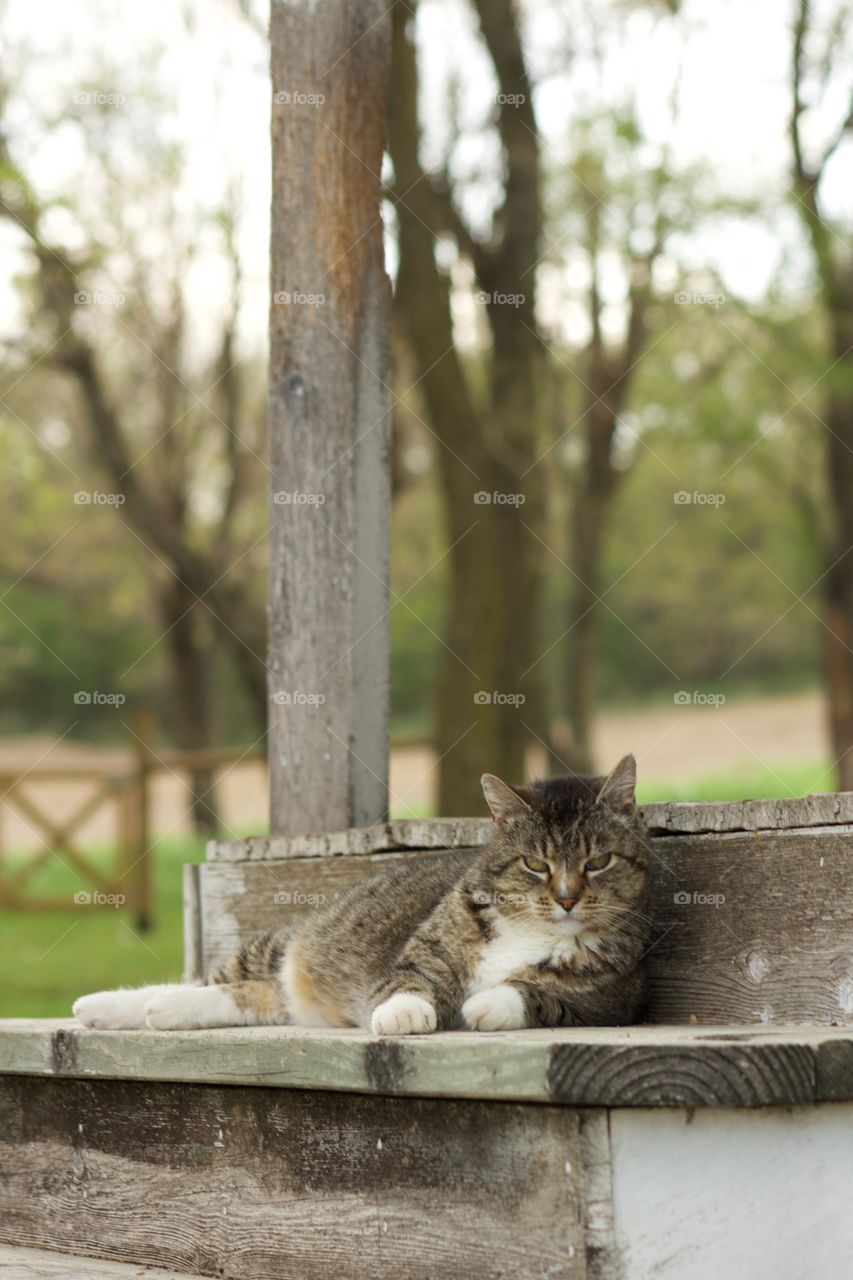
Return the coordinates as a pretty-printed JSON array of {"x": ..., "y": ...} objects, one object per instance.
[{"x": 211, "y": 76}]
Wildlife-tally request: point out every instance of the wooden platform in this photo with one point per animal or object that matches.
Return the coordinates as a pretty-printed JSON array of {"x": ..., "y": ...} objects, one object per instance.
[
  {"x": 591, "y": 1067},
  {"x": 268, "y": 1154}
]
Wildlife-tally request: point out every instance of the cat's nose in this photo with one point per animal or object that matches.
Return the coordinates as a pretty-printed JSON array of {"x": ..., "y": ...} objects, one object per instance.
[{"x": 567, "y": 903}]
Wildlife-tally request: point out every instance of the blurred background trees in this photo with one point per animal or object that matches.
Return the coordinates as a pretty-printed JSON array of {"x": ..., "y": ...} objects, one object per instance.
[{"x": 623, "y": 426}]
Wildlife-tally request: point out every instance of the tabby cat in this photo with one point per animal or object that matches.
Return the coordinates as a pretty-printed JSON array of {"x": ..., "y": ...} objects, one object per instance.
[{"x": 545, "y": 926}]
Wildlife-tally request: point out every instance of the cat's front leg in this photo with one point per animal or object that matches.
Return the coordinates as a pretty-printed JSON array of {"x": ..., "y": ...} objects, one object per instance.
[
  {"x": 122, "y": 1010},
  {"x": 501, "y": 1008},
  {"x": 404, "y": 1014}
]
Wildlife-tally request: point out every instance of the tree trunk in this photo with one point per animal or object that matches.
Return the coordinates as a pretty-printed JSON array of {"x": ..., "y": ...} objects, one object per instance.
[
  {"x": 590, "y": 518},
  {"x": 193, "y": 699},
  {"x": 487, "y": 685},
  {"x": 838, "y": 583}
]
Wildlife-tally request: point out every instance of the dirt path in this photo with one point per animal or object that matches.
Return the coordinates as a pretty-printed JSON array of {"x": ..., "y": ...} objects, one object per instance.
[{"x": 673, "y": 743}]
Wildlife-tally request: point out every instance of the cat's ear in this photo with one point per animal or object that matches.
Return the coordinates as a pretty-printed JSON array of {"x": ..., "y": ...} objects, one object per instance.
[
  {"x": 619, "y": 787},
  {"x": 504, "y": 802}
]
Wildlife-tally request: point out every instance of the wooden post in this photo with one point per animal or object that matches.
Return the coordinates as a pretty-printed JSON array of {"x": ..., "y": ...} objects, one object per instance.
[
  {"x": 329, "y": 417},
  {"x": 140, "y": 873}
]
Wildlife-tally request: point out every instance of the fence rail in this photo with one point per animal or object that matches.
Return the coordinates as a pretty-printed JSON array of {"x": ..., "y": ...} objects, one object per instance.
[{"x": 127, "y": 883}]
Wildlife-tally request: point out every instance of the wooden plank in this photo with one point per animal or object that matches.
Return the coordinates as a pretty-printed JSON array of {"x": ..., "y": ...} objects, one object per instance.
[
  {"x": 405, "y": 834},
  {"x": 590, "y": 1067},
  {"x": 40, "y": 1264},
  {"x": 265, "y": 1183},
  {"x": 240, "y": 899},
  {"x": 329, "y": 412},
  {"x": 763, "y": 1195},
  {"x": 753, "y": 928},
  {"x": 748, "y": 927},
  {"x": 449, "y": 833},
  {"x": 751, "y": 815}
]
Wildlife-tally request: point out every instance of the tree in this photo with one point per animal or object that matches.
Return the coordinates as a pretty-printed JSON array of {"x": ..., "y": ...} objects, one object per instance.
[
  {"x": 174, "y": 436},
  {"x": 813, "y": 72},
  {"x": 488, "y": 436}
]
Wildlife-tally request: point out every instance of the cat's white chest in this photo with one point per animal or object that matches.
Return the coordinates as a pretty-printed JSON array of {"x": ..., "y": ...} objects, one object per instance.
[{"x": 513, "y": 948}]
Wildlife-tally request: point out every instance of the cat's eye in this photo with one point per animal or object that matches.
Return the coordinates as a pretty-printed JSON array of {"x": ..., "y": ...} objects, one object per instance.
[
  {"x": 536, "y": 864},
  {"x": 599, "y": 862}
]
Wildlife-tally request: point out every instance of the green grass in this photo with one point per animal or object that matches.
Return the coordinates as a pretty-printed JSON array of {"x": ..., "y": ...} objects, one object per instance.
[
  {"x": 761, "y": 783},
  {"x": 49, "y": 958}
]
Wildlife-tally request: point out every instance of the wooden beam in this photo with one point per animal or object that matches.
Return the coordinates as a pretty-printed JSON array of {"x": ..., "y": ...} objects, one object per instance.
[
  {"x": 678, "y": 1067},
  {"x": 834, "y": 810},
  {"x": 329, "y": 417},
  {"x": 272, "y": 1183}
]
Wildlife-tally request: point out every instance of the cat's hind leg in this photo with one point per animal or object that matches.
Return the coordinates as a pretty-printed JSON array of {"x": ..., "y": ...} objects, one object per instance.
[
  {"x": 122, "y": 1010},
  {"x": 231, "y": 1004}
]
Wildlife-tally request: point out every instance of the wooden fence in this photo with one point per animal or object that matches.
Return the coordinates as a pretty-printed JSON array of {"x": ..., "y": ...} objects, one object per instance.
[{"x": 127, "y": 882}]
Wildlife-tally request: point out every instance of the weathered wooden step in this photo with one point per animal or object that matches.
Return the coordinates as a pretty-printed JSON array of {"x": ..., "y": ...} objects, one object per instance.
[
  {"x": 643, "y": 1066},
  {"x": 272, "y": 1154},
  {"x": 43, "y": 1264}
]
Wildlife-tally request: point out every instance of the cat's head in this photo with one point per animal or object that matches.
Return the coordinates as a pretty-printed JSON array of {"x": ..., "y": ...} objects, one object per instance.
[{"x": 571, "y": 852}]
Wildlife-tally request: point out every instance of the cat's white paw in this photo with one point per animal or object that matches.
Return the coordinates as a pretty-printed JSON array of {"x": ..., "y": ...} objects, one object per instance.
[
  {"x": 110, "y": 1011},
  {"x": 498, "y": 1009},
  {"x": 403, "y": 1015},
  {"x": 174, "y": 1011}
]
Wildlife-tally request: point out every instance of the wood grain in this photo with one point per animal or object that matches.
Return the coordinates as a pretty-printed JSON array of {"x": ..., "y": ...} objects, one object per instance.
[
  {"x": 272, "y": 1184},
  {"x": 753, "y": 928},
  {"x": 329, "y": 407},
  {"x": 593, "y": 1067},
  {"x": 40, "y": 1264}
]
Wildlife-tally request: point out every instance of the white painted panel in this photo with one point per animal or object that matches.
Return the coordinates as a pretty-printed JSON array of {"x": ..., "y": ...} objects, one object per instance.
[{"x": 734, "y": 1195}]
